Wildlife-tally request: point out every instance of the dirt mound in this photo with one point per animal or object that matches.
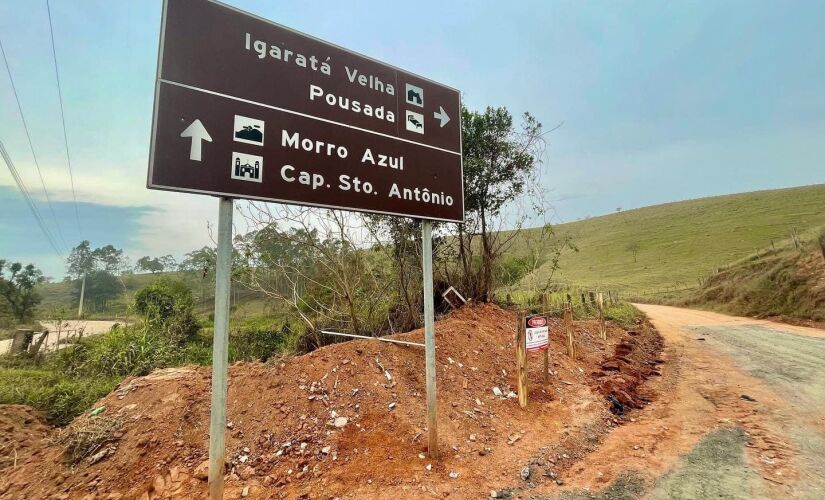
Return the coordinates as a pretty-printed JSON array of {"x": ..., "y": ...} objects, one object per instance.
[
  {"x": 347, "y": 420},
  {"x": 24, "y": 431}
]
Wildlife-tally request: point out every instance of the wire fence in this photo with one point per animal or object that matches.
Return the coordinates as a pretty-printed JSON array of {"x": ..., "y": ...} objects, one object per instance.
[{"x": 583, "y": 301}]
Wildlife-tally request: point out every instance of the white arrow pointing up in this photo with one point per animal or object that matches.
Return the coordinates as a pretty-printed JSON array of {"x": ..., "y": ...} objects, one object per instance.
[
  {"x": 441, "y": 116},
  {"x": 198, "y": 133}
]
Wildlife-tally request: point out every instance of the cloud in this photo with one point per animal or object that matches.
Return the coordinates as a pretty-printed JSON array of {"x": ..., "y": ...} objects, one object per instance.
[
  {"x": 101, "y": 224},
  {"x": 146, "y": 222}
]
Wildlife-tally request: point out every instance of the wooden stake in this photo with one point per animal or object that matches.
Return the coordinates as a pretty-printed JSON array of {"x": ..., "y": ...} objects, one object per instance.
[
  {"x": 602, "y": 327},
  {"x": 568, "y": 326},
  {"x": 547, "y": 365},
  {"x": 521, "y": 360}
]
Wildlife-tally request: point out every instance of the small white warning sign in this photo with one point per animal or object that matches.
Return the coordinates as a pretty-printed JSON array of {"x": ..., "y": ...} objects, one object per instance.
[{"x": 538, "y": 333}]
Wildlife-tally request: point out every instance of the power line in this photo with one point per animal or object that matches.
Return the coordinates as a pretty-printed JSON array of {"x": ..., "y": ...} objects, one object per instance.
[
  {"x": 63, "y": 120},
  {"x": 31, "y": 145},
  {"x": 29, "y": 201}
]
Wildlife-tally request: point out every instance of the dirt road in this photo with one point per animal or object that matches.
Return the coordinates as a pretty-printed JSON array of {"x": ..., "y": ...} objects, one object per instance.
[
  {"x": 745, "y": 415},
  {"x": 69, "y": 330}
]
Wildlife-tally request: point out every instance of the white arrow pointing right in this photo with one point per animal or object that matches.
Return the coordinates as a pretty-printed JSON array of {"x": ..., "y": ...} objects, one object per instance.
[
  {"x": 442, "y": 116},
  {"x": 198, "y": 133}
]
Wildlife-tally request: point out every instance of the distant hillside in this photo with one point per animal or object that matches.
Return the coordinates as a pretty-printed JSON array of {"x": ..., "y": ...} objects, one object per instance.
[
  {"x": 788, "y": 283},
  {"x": 680, "y": 242},
  {"x": 62, "y": 295}
]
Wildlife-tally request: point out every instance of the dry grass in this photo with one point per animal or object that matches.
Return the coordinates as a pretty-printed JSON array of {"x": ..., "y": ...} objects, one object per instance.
[
  {"x": 785, "y": 283},
  {"x": 89, "y": 437}
]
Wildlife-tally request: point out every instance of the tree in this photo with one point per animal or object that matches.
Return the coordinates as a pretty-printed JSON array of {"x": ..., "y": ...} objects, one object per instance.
[
  {"x": 501, "y": 164},
  {"x": 101, "y": 288},
  {"x": 81, "y": 260},
  {"x": 168, "y": 262},
  {"x": 103, "y": 264},
  {"x": 633, "y": 247},
  {"x": 199, "y": 261},
  {"x": 108, "y": 259},
  {"x": 400, "y": 239},
  {"x": 17, "y": 287},
  {"x": 319, "y": 267},
  {"x": 149, "y": 264},
  {"x": 156, "y": 264}
]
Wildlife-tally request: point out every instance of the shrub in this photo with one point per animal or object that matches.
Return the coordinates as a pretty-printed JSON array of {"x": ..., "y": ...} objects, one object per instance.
[
  {"x": 512, "y": 270},
  {"x": 167, "y": 307},
  {"x": 260, "y": 339},
  {"x": 59, "y": 396},
  {"x": 132, "y": 350},
  {"x": 822, "y": 243}
]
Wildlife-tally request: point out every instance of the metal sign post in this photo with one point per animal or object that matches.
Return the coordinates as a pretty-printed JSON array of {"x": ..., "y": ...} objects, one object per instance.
[
  {"x": 220, "y": 350},
  {"x": 429, "y": 338}
]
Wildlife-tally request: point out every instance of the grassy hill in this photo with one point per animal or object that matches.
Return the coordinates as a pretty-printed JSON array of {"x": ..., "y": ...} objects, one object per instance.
[
  {"x": 680, "y": 242},
  {"x": 788, "y": 283}
]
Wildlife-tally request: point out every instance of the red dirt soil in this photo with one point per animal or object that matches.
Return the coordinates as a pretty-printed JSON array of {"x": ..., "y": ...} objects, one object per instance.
[
  {"x": 24, "y": 433},
  {"x": 282, "y": 439}
]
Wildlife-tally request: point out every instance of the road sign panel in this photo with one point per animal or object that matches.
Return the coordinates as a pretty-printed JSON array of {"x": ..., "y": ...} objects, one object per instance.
[{"x": 330, "y": 127}]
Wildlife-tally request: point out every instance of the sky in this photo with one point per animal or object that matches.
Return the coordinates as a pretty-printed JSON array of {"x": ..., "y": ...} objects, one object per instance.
[{"x": 658, "y": 101}]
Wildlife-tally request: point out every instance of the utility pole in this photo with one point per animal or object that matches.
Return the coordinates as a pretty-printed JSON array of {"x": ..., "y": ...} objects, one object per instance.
[
  {"x": 220, "y": 350},
  {"x": 429, "y": 338},
  {"x": 82, "y": 293}
]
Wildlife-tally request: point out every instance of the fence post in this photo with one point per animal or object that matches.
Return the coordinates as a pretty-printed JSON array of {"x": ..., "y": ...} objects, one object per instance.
[
  {"x": 21, "y": 341},
  {"x": 602, "y": 327},
  {"x": 568, "y": 326},
  {"x": 547, "y": 362},
  {"x": 521, "y": 360}
]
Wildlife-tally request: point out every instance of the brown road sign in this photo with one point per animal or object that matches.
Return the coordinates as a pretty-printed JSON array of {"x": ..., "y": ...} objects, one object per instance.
[{"x": 247, "y": 108}]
